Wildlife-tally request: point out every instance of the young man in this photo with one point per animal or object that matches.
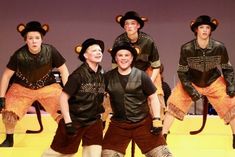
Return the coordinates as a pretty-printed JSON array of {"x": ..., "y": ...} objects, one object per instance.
[
  {"x": 128, "y": 89},
  {"x": 31, "y": 66},
  {"x": 199, "y": 74},
  {"x": 148, "y": 58},
  {"x": 81, "y": 106}
]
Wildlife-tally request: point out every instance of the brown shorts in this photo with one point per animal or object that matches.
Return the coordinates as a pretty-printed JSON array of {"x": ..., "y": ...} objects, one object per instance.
[
  {"x": 180, "y": 102},
  {"x": 119, "y": 135},
  {"x": 65, "y": 144}
]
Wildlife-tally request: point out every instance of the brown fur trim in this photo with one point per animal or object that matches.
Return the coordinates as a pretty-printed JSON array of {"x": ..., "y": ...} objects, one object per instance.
[
  {"x": 9, "y": 117},
  {"x": 229, "y": 116}
]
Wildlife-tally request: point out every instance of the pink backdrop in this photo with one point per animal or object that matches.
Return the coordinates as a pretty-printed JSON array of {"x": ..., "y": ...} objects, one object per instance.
[{"x": 72, "y": 21}]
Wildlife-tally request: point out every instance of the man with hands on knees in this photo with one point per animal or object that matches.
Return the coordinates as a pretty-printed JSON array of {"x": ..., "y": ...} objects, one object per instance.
[
  {"x": 199, "y": 72},
  {"x": 81, "y": 106},
  {"x": 30, "y": 71},
  {"x": 133, "y": 118}
]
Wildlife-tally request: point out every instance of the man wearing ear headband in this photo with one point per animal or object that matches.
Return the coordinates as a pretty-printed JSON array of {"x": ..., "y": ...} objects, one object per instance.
[
  {"x": 128, "y": 89},
  {"x": 81, "y": 106},
  {"x": 30, "y": 70},
  {"x": 199, "y": 74}
]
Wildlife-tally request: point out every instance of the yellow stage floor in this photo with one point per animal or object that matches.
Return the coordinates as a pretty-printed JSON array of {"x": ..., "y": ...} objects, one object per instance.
[{"x": 214, "y": 141}]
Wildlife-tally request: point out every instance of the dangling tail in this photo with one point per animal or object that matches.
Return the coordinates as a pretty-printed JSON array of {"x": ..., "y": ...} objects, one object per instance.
[
  {"x": 36, "y": 104},
  {"x": 205, "y": 112}
]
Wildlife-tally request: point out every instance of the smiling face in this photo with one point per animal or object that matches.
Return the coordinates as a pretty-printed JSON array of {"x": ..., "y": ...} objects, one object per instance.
[
  {"x": 34, "y": 42},
  {"x": 124, "y": 59},
  {"x": 93, "y": 54}
]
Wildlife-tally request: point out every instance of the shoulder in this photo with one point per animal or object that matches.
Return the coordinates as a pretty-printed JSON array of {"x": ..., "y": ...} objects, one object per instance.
[
  {"x": 49, "y": 47},
  {"x": 188, "y": 45},
  {"x": 78, "y": 72},
  {"x": 146, "y": 36},
  {"x": 111, "y": 71},
  {"x": 217, "y": 43},
  {"x": 121, "y": 36},
  {"x": 139, "y": 72},
  {"x": 22, "y": 48}
]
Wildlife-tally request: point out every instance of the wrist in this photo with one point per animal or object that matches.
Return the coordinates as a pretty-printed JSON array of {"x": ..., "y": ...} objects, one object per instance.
[
  {"x": 70, "y": 124},
  {"x": 156, "y": 118}
]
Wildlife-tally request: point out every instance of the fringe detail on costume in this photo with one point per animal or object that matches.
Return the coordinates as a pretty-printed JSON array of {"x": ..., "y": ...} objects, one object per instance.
[
  {"x": 9, "y": 117},
  {"x": 176, "y": 112},
  {"x": 230, "y": 115}
]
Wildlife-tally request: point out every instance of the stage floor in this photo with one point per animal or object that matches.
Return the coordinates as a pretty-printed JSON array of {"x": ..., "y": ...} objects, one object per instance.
[{"x": 214, "y": 141}]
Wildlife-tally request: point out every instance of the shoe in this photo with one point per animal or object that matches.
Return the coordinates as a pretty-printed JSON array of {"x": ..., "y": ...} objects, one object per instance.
[{"x": 6, "y": 143}]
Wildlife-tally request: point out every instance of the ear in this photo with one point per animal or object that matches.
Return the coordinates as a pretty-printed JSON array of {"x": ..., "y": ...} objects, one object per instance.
[
  {"x": 145, "y": 19},
  {"x": 137, "y": 49},
  {"x": 215, "y": 21},
  {"x": 110, "y": 50},
  {"x": 115, "y": 58},
  {"x": 192, "y": 22},
  {"x": 118, "y": 18},
  {"x": 85, "y": 55},
  {"x": 45, "y": 27},
  {"x": 20, "y": 27},
  {"x": 78, "y": 49}
]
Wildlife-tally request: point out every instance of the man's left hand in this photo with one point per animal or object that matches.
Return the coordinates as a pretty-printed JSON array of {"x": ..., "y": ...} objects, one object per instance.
[{"x": 157, "y": 126}]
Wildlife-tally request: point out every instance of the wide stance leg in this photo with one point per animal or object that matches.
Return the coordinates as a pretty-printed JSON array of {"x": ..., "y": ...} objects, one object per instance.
[
  {"x": 9, "y": 119},
  {"x": 91, "y": 151},
  {"x": 160, "y": 151},
  {"x": 111, "y": 153}
]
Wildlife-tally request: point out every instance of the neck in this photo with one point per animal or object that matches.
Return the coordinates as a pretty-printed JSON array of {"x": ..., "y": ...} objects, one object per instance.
[
  {"x": 202, "y": 42},
  {"x": 93, "y": 66},
  {"x": 133, "y": 37},
  {"x": 124, "y": 71}
]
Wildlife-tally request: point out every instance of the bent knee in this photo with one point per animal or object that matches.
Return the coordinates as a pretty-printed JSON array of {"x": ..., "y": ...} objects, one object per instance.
[{"x": 9, "y": 117}]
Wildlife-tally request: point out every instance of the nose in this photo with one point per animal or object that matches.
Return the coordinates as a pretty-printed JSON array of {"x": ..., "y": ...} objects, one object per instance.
[
  {"x": 34, "y": 40},
  {"x": 99, "y": 52}
]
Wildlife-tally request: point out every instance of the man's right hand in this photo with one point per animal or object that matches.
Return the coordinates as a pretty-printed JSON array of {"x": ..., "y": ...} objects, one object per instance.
[
  {"x": 70, "y": 129},
  {"x": 2, "y": 103}
]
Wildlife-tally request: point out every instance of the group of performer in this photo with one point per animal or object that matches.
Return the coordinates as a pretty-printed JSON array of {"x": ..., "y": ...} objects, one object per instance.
[{"x": 132, "y": 90}]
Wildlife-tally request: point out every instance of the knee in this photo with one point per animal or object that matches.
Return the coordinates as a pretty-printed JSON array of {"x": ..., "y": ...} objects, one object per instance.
[
  {"x": 160, "y": 151},
  {"x": 9, "y": 117},
  {"x": 111, "y": 153}
]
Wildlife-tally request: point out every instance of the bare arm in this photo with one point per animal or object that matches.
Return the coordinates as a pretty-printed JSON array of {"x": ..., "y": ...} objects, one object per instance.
[
  {"x": 64, "y": 73},
  {"x": 155, "y": 73},
  {"x": 154, "y": 105},
  {"x": 64, "y": 105},
  {"x": 7, "y": 74}
]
